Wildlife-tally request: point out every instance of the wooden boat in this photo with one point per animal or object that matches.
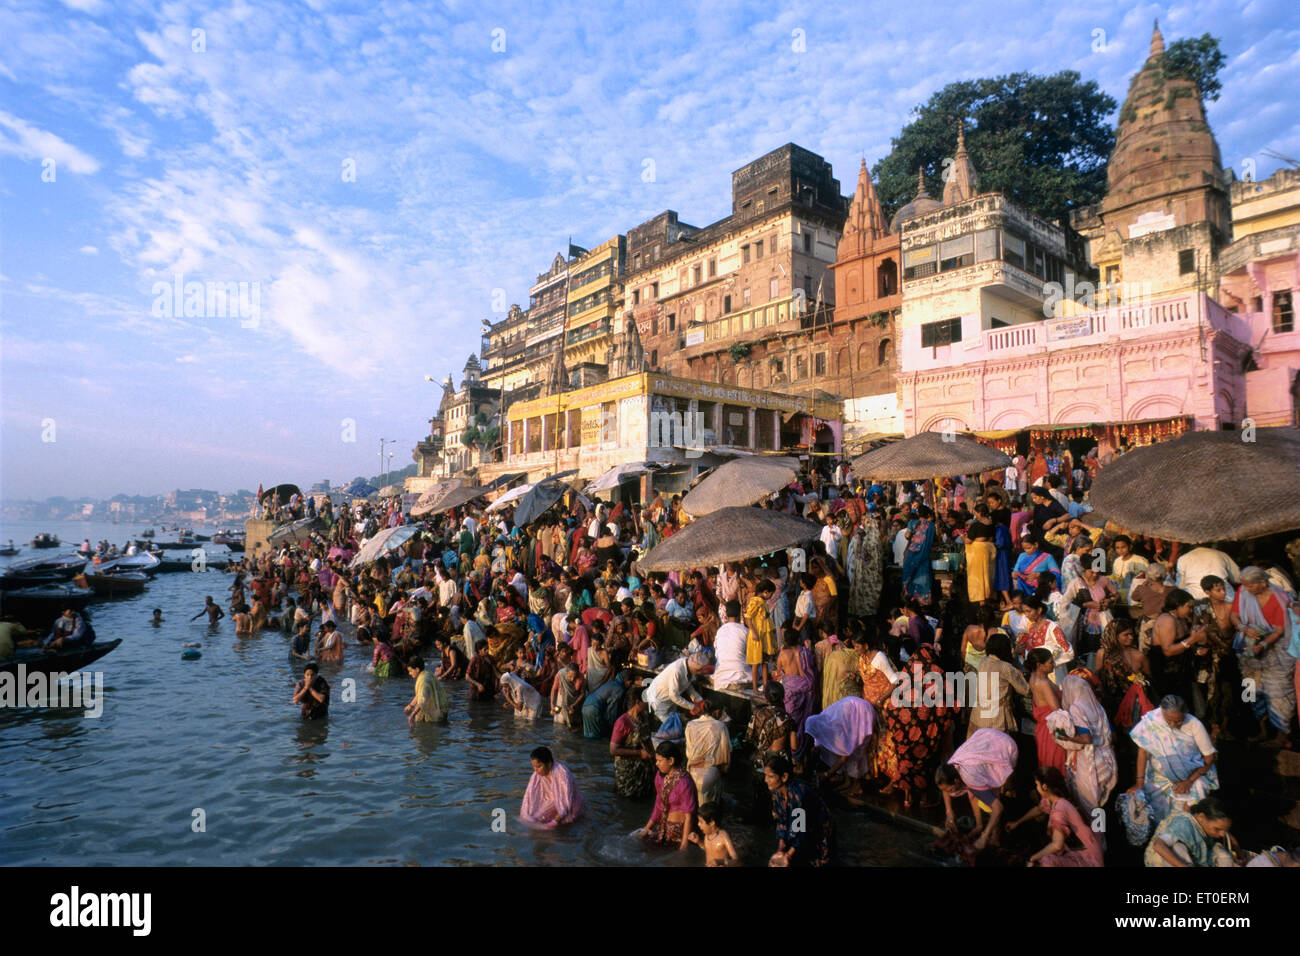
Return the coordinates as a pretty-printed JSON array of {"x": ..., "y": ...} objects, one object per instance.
[
  {"x": 38, "y": 660},
  {"x": 147, "y": 534},
  {"x": 231, "y": 539},
  {"x": 39, "y": 607},
  {"x": 123, "y": 582},
  {"x": 45, "y": 540},
  {"x": 14, "y": 582},
  {"x": 187, "y": 562},
  {"x": 6, "y": 552},
  {"x": 203, "y": 537}
]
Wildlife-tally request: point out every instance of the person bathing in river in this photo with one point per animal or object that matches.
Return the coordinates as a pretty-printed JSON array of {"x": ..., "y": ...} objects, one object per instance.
[
  {"x": 552, "y": 798},
  {"x": 211, "y": 609}
]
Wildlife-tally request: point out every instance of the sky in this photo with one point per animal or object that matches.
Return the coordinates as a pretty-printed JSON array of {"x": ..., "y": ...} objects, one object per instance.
[{"x": 372, "y": 180}]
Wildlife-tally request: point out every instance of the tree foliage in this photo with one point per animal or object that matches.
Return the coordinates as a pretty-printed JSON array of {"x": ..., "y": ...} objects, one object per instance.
[
  {"x": 1041, "y": 140},
  {"x": 1198, "y": 59}
]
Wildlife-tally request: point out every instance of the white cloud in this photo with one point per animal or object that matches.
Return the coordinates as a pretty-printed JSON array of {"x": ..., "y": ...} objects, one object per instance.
[
  {"x": 29, "y": 142},
  {"x": 89, "y": 251}
]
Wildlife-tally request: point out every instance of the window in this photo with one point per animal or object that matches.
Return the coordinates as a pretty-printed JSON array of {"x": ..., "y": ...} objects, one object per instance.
[
  {"x": 744, "y": 253},
  {"x": 654, "y": 325},
  {"x": 745, "y": 297},
  {"x": 801, "y": 366},
  {"x": 1013, "y": 251},
  {"x": 778, "y": 366},
  {"x": 654, "y": 289},
  {"x": 697, "y": 275},
  {"x": 1186, "y": 261},
  {"x": 713, "y": 268},
  {"x": 918, "y": 263},
  {"x": 636, "y": 296},
  {"x": 726, "y": 305},
  {"x": 957, "y": 253},
  {"x": 1283, "y": 316},
  {"x": 986, "y": 245},
  {"x": 887, "y": 278},
  {"x": 882, "y": 352},
  {"x": 636, "y": 261},
  {"x": 819, "y": 363},
  {"x": 772, "y": 291},
  {"x": 773, "y": 245},
  {"x": 943, "y": 332},
  {"x": 672, "y": 321},
  {"x": 807, "y": 242},
  {"x": 654, "y": 358},
  {"x": 758, "y": 249},
  {"x": 808, "y": 286}
]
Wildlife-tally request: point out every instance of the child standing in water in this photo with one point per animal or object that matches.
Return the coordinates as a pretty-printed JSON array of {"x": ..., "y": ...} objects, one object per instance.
[{"x": 718, "y": 850}]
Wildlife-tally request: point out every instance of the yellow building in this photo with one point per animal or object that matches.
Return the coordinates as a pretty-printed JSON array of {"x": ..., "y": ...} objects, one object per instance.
[
  {"x": 594, "y": 294},
  {"x": 660, "y": 418}
]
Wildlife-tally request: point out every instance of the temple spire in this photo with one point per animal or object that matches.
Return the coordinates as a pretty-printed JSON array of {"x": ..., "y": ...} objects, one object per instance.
[
  {"x": 962, "y": 182},
  {"x": 1157, "y": 41},
  {"x": 920, "y": 183},
  {"x": 866, "y": 219}
]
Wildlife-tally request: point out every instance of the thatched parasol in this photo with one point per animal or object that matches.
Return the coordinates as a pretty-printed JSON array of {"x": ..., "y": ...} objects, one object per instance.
[
  {"x": 1205, "y": 486},
  {"x": 729, "y": 534},
  {"x": 929, "y": 455},
  {"x": 295, "y": 532},
  {"x": 741, "y": 481}
]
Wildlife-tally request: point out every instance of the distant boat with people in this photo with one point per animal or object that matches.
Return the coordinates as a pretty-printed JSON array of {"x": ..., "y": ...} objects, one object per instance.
[
  {"x": 45, "y": 540},
  {"x": 38, "y": 660}
]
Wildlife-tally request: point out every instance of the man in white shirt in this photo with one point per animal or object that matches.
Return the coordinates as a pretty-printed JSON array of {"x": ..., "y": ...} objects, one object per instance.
[
  {"x": 672, "y": 688},
  {"x": 729, "y": 649},
  {"x": 470, "y": 525},
  {"x": 1011, "y": 478},
  {"x": 1202, "y": 562},
  {"x": 900, "y": 546}
]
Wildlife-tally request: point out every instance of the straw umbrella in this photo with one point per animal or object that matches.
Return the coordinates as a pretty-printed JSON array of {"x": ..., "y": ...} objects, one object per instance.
[
  {"x": 385, "y": 542},
  {"x": 1205, "y": 486},
  {"x": 929, "y": 455},
  {"x": 429, "y": 500},
  {"x": 456, "y": 497},
  {"x": 729, "y": 534},
  {"x": 741, "y": 481}
]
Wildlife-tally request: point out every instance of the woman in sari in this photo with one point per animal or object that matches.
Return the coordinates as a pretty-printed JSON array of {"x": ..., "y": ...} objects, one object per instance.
[
  {"x": 552, "y": 798},
  {"x": 599, "y": 668},
  {"x": 866, "y": 568},
  {"x": 567, "y": 693},
  {"x": 917, "y": 723},
  {"x": 1032, "y": 563},
  {"x": 1175, "y": 762},
  {"x": 1047, "y": 702},
  {"x": 797, "y": 674},
  {"x": 979, "y": 769},
  {"x": 1091, "y": 770},
  {"x": 805, "y": 835},
  {"x": 1124, "y": 673},
  {"x": 539, "y": 639},
  {"x": 385, "y": 659},
  {"x": 981, "y": 552},
  {"x": 673, "y": 818},
  {"x": 1192, "y": 837},
  {"x": 843, "y": 733},
  {"x": 630, "y": 747},
  {"x": 824, "y": 594},
  {"x": 1063, "y": 821},
  {"x": 520, "y": 696},
  {"x": 430, "y": 703},
  {"x": 918, "y": 576},
  {"x": 1261, "y": 615}
]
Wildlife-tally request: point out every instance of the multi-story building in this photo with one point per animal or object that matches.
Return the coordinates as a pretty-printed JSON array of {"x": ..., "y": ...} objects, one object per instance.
[
  {"x": 682, "y": 424},
  {"x": 1259, "y": 280},
  {"x": 593, "y": 299},
  {"x": 868, "y": 301},
  {"x": 473, "y": 405},
  {"x": 505, "y": 365},
  {"x": 747, "y": 300},
  {"x": 1006, "y": 331}
]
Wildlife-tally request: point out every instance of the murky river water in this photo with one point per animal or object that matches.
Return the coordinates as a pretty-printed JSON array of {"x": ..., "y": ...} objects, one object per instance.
[{"x": 220, "y": 735}]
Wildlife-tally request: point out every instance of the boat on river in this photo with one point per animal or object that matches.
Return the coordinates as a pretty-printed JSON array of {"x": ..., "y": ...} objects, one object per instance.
[
  {"x": 38, "y": 660},
  {"x": 122, "y": 582},
  {"x": 45, "y": 540}
]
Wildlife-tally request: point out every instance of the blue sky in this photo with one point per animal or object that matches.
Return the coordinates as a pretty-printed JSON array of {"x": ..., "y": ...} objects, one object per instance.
[{"x": 224, "y": 156}]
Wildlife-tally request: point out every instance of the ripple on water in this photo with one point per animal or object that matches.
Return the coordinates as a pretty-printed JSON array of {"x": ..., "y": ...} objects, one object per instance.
[{"x": 362, "y": 788}]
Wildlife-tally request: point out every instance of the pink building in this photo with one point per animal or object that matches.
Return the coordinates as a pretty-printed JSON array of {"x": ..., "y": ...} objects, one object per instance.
[{"x": 1006, "y": 327}]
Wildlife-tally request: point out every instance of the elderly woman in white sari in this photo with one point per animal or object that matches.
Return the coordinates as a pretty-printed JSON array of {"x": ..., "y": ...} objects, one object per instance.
[
  {"x": 1262, "y": 616},
  {"x": 1090, "y": 767},
  {"x": 520, "y": 696},
  {"x": 1175, "y": 762}
]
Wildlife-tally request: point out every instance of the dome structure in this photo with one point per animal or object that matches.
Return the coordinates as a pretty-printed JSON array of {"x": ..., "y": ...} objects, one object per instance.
[{"x": 922, "y": 204}]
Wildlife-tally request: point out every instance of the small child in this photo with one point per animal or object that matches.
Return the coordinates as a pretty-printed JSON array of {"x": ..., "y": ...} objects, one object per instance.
[{"x": 717, "y": 847}]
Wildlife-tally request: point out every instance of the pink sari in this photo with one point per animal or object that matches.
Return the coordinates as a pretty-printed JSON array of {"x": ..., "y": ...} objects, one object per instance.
[{"x": 552, "y": 799}]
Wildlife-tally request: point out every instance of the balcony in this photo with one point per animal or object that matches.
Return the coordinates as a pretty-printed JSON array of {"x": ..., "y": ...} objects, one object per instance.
[
  {"x": 581, "y": 335},
  {"x": 1121, "y": 323}
]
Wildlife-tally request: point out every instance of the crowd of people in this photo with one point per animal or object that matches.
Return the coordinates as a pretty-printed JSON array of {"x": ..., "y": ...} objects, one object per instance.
[{"x": 974, "y": 645}]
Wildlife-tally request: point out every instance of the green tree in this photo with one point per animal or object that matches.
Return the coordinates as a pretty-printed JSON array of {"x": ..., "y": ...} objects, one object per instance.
[
  {"x": 1198, "y": 59},
  {"x": 469, "y": 437},
  {"x": 1041, "y": 140}
]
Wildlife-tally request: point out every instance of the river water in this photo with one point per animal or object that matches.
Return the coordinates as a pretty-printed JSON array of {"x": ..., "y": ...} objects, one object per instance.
[{"x": 219, "y": 735}]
